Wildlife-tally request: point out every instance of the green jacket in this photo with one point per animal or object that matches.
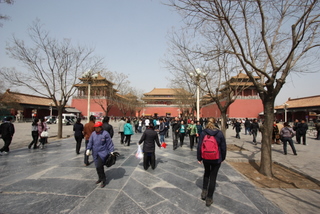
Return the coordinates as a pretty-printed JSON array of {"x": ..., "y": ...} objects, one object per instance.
[{"x": 193, "y": 129}]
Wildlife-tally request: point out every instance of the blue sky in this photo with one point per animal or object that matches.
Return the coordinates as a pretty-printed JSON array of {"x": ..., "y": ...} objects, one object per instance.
[{"x": 131, "y": 36}]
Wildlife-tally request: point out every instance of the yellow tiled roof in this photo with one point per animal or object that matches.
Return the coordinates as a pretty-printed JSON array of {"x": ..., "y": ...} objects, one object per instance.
[
  {"x": 301, "y": 102},
  {"x": 27, "y": 98},
  {"x": 165, "y": 91}
]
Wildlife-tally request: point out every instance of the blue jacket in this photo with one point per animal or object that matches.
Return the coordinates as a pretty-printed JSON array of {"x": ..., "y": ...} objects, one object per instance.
[
  {"x": 127, "y": 129},
  {"x": 101, "y": 145}
]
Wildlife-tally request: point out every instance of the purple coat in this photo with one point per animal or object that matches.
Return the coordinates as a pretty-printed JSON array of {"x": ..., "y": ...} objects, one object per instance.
[{"x": 101, "y": 145}]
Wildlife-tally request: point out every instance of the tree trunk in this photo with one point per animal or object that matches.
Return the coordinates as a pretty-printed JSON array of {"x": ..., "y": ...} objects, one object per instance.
[
  {"x": 223, "y": 122},
  {"x": 59, "y": 122},
  {"x": 266, "y": 156}
]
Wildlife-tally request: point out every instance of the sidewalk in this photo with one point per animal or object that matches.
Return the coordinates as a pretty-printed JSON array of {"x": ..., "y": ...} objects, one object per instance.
[
  {"x": 54, "y": 180},
  {"x": 307, "y": 163}
]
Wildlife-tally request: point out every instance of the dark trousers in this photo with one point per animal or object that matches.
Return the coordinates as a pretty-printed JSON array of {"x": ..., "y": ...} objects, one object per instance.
[
  {"x": 210, "y": 177},
  {"x": 35, "y": 137},
  {"x": 192, "y": 138},
  {"x": 298, "y": 137},
  {"x": 181, "y": 136},
  {"x": 122, "y": 137},
  {"x": 7, "y": 142},
  {"x": 43, "y": 140},
  {"x": 149, "y": 158},
  {"x": 127, "y": 139},
  {"x": 254, "y": 135},
  {"x": 78, "y": 145},
  {"x": 167, "y": 134},
  {"x": 238, "y": 134},
  {"x": 100, "y": 170},
  {"x": 175, "y": 136},
  {"x": 289, "y": 140},
  {"x": 86, "y": 157}
]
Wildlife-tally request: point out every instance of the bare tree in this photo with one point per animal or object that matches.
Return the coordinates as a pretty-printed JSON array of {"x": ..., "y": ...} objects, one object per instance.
[
  {"x": 215, "y": 73},
  {"x": 5, "y": 17},
  {"x": 263, "y": 43},
  {"x": 53, "y": 66}
]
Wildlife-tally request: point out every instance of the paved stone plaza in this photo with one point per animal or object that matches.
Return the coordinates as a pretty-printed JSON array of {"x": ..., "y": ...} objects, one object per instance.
[{"x": 55, "y": 180}]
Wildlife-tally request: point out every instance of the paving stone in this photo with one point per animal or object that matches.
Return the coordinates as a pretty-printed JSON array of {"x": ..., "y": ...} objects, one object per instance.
[
  {"x": 165, "y": 207},
  {"x": 34, "y": 203},
  {"x": 263, "y": 204},
  {"x": 52, "y": 185},
  {"x": 131, "y": 161},
  {"x": 182, "y": 172},
  {"x": 180, "y": 183},
  {"x": 185, "y": 201},
  {"x": 124, "y": 204},
  {"x": 117, "y": 177},
  {"x": 141, "y": 194},
  {"x": 148, "y": 179},
  {"x": 97, "y": 202}
]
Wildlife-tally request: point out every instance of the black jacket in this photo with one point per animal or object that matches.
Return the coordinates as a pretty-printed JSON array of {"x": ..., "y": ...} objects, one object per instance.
[
  {"x": 108, "y": 128},
  {"x": 175, "y": 126},
  {"x": 149, "y": 137},
  {"x": 78, "y": 129},
  {"x": 221, "y": 143},
  {"x": 7, "y": 130}
]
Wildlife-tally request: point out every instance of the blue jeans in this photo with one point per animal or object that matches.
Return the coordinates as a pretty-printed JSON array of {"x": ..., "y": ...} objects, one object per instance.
[
  {"x": 284, "y": 141},
  {"x": 161, "y": 138}
]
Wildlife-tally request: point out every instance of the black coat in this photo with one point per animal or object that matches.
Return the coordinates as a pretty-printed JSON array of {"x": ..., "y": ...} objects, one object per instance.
[
  {"x": 7, "y": 130},
  {"x": 78, "y": 129},
  {"x": 149, "y": 138},
  {"x": 108, "y": 128}
]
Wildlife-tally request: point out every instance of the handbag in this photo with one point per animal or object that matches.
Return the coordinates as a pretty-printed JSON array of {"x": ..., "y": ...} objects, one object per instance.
[
  {"x": 112, "y": 158},
  {"x": 44, "y": 134},
  {"x": 139, "y": 154}
]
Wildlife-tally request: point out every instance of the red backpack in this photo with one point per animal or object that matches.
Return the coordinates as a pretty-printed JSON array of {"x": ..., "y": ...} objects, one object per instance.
[{"x": 210, "y": 148}]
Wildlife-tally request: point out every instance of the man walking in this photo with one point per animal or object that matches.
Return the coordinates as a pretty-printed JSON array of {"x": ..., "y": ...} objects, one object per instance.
[
  {"x": 87, "y": 131},
  {"x": 121, "y": 129},
  {"x": 175, "y": 132}
]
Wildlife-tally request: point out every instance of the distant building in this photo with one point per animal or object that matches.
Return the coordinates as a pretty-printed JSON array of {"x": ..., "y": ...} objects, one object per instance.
[
  {"x": 247, "y": 104},
  {"x": 166, "y": 102},
  {"x": 27, "y": 106},
  {"x": 104, "y": 99},
  {"x": 307, "y": 108}
]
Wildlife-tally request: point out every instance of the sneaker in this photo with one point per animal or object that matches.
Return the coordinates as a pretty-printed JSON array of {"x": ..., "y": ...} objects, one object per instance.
[
  {"x": 98, "y": 182},
  {"x": 103, "y": 184}
]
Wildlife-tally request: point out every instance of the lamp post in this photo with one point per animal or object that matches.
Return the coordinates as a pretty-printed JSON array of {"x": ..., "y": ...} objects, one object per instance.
[
  {"x": 285, "y": 111},
  {"x": 197, "y": 75},
  {"x": 51, "y": 110},
  {"x": 89, "y": 76}
]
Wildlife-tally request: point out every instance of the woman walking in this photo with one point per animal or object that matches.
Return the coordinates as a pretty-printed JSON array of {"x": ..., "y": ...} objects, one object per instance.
[
  {"x": 78, "y": 134},
  {"x": 211, "y": 167},
  {"x": 286, "y": 134},
  {"x": 34, "y": 134},
  {"x": 128, "y": 131},
  {"x": 193, "y": 132},
  {"x": 42, "y": 127},
  {"x": 182, "y": 132}
]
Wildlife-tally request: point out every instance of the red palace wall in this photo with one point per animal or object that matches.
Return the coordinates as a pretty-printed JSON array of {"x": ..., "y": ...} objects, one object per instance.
[
  {"x": 82, "y": 105},
  {"x": 240, "y": 108},
  {"x": 160, "y": 111}
]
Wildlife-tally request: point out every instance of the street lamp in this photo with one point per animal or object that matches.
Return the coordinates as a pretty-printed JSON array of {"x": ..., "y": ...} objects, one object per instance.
[
  {"x": 285, "y": 111},
  {"x": 197, "y": 75},
  {"x": 50, "y": 110},
  {"x": 89, "y": 76}
]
